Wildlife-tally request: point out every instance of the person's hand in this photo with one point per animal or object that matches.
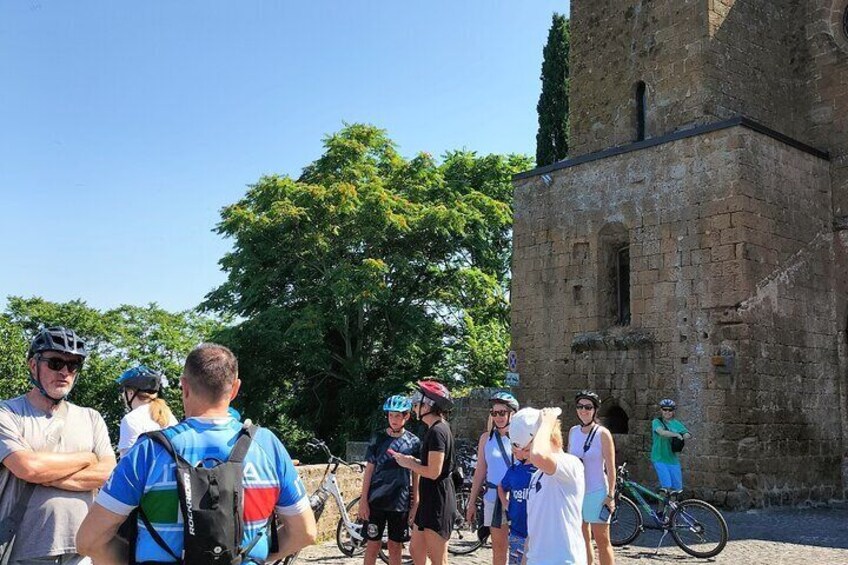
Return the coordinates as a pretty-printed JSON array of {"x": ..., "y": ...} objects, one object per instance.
[
  {"x": 550, "y": 414},
  {"x": 680, "y": 436},
  {"x": 611, "y": 504},
  {"x": 93, "y": 459},
  {"x": 405, "y": 461},
  {"x": 364, "y": 512},
  {"x": 470, "y": 512}
]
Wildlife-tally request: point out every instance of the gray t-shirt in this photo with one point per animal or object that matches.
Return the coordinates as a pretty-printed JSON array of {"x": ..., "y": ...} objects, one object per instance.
[{"x": 53, "y": 516}]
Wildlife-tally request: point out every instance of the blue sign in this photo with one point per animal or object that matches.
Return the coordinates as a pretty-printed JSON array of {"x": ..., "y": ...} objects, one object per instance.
[{"x": 512, "y": 379}]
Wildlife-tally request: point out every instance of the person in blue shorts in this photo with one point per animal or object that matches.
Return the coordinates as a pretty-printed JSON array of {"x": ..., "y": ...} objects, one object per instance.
[
  {"x": 666, "y": 462},
  {"x": 389, "y": 492},
  {"x": 146, "y": 476},
  {"x": 513, "y": 494}
]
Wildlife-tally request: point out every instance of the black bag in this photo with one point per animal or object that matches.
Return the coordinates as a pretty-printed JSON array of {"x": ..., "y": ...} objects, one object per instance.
[
  {"x": 676, "y": 442},
  {"x": 211, "y": 502}
]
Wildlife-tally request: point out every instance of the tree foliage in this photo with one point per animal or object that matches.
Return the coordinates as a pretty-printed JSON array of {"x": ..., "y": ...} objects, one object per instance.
[
  {"x": 117, "y": 339},
  {"x": 366, "y": 273},
  {"x": 552, "y": 136}
]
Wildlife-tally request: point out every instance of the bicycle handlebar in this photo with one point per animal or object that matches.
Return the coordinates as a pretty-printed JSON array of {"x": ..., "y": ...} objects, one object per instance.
[{"x": 316, "y": 443}]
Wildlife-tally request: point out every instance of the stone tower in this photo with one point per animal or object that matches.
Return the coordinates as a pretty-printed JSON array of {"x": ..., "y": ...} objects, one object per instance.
[{"x": 695, "y": 243}]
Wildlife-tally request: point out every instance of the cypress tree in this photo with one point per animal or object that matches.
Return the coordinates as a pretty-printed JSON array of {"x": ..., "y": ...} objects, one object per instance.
[{"x": 552, "y": 137}]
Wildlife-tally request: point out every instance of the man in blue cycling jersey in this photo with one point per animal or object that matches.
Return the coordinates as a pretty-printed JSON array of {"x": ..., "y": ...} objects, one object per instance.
[{"x": 146, "y": 475}]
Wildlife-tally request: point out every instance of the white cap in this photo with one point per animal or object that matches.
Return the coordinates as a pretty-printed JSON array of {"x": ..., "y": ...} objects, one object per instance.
[{"x": 524, "y": 424}]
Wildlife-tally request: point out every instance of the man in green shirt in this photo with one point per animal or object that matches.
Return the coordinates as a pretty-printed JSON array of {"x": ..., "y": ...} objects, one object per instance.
[{"x": 665, "y": 461}]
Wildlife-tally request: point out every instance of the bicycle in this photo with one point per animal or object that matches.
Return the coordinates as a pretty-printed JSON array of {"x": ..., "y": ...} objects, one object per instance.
[
  {"x": 697, "y": 527},
  {"x": 464, "y": 537},
  {"x": 349, "y": 538}
]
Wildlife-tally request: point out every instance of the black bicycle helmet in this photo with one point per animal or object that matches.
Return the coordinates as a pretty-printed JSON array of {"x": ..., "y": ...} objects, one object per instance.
[
  {"x": 57, "y": 338},
  {"x": 590, "y": 396},
  {"x": 142, "y": 378}
]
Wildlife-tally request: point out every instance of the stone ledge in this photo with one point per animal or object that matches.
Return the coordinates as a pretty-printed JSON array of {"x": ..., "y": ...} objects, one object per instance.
[{"x": 612, "y": 339}]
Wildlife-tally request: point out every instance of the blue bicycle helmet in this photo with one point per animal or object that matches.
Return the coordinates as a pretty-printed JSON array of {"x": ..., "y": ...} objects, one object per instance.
[
  {"x": 506, "y": 399},
  {"x": 668, "y": 403},
  {"x": 142, "y": 378},
  {"x": 397, "y": 403}
]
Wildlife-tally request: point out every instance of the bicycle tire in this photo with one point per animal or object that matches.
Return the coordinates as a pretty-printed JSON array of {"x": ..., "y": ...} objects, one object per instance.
[
  {"x": 463, "y": 539},
  {"x": 685, "y": 513},
  {"x": 625, "y": 522},
  {"x": 349, "y": 547}
]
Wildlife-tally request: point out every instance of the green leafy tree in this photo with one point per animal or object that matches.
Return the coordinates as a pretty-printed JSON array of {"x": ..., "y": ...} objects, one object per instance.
[
  {"x": 117, "y": 339},
  {"x": 366, "y": 273},
  {"x": 552, "y": 136}
]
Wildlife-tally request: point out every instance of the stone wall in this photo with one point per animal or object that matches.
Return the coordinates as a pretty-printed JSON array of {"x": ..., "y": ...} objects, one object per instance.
[
  {"x": 350, "y": 483},
  {"x": 735, "y": 308},
  {"x": 617, "y": 43}
]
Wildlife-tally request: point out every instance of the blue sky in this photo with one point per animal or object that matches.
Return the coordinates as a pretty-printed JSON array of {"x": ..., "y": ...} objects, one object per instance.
[{"x": 126, "y": 127}]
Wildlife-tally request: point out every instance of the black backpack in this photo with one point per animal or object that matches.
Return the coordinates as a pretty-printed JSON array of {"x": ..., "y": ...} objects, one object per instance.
[{"x": 211, "y": 502}]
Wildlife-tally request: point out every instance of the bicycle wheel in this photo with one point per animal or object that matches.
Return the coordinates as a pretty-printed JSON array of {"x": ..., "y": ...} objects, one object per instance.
[
  {"x": 349, "y": 545},
  {"x": 698, "y": 528},
  {"x": 625, "y": 523},
  {"x": 463, "y": 538}
]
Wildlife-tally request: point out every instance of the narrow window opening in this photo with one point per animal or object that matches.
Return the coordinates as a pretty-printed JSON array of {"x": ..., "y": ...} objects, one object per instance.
[
  {"x": 641, "y": 110},
  {"x": 845, "y": 22},
  {"x": 622, "y": 286}
]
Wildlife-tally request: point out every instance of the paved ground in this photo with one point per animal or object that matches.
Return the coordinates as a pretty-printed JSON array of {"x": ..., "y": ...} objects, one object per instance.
[{"x": 758, "y": 537}]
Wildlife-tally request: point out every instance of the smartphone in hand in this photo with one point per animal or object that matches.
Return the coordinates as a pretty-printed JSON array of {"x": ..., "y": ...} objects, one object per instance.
[{"x": 604, "y": 513}]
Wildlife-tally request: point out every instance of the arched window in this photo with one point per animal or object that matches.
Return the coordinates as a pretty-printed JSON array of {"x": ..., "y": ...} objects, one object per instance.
[
  {"x": 641, "y": 110},
  {"x": 622, "y": 286},
  {"x": 615, "y": 419}
]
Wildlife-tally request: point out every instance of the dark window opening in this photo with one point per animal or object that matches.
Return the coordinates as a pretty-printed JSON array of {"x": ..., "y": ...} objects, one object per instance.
[
  {"x": 641, "y": 110},
  {"x": 615, "y": 419},
  {"x": 845, "y": 22},
  {"x": 622, "y": 286}
]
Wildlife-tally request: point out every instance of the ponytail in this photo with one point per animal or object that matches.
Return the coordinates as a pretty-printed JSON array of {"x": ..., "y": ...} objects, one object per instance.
[{"x": 160, "y": 413}]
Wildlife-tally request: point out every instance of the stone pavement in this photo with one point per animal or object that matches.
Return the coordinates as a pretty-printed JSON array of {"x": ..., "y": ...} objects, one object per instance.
[{"x": 780, "y": 536}]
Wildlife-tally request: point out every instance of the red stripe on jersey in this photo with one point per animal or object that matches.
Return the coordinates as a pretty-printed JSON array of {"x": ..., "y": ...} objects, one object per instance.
[{"x": 259, "y": 502}]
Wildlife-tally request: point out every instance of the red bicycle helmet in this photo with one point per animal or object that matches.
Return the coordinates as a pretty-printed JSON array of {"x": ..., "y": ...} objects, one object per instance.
[{"x": 437, "y": 393}]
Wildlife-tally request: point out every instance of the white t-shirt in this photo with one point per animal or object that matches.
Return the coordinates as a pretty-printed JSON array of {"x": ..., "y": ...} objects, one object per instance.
[
  {"x": 554, "y": 515},
  {"x": 137, "y": 422},
  {"x": 593, "y": 457}
]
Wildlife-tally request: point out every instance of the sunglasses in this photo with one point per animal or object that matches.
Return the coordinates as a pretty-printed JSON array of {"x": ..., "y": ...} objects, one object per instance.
[
  {"x": 497, "y": 413},
  {"x": 585, "y": 407},
  {"x": 667, "y": 409},
  {"x": 56, "y": 364}
]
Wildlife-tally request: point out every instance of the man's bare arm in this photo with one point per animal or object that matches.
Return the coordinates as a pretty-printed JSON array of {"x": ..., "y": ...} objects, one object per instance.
[
  {"x": 295, "y": 533},
  {"x": 87, "y": 479},
  {"x": 39, "y": 468},
  {"x": 97, "y": 537}
]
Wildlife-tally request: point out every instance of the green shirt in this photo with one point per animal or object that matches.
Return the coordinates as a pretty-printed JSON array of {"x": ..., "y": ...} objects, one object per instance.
[{"x": 661, "y": 447}]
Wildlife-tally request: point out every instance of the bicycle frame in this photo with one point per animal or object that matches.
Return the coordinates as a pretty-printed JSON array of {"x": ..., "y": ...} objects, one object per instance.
[
  {"x": 636, "y": 492},
  {"x": 331, "y": 485}
]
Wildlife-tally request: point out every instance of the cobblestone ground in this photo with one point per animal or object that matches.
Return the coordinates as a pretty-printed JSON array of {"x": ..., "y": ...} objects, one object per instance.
[{"x": 758, "y": 537}]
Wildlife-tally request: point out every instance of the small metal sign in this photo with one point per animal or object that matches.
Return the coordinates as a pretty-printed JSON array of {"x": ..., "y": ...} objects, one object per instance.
[
  {"x": 512, "y": 361},
  {"x": 512, "y": 379}
]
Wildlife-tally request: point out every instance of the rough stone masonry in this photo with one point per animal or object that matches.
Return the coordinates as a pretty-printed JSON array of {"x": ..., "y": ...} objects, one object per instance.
[{"x": 695, "y": 243}]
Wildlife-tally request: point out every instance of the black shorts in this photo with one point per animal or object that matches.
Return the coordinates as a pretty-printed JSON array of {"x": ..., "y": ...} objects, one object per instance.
[{"x": 398, "y": 523}]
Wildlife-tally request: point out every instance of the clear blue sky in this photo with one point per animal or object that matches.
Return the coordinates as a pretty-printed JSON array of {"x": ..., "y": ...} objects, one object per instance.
[{"x": 126, "y": 127}]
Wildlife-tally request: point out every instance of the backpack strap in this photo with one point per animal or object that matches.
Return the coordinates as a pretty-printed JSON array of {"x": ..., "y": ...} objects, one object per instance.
[
  {"x": 162, "y": 440},
  {"x": 155, "y": 535},
  {"x": 239, "y": 451}
]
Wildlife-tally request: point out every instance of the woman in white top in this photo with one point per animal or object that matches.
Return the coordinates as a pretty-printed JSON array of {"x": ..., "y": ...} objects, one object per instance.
[
  {"x": 555, "y": 494},
  {"x": 593, "y": 444},
  {"x": 494, "y": 457},
  {"x": 146, "y": 411}
]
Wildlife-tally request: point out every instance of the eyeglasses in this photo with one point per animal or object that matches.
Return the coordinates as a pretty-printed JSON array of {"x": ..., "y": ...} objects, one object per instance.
[
  {"x": 497, "y": 413},
  {"x": 585, "y": 407},
  {"x": 667, "y": 409},
  {"x": 56, "y": 364}
]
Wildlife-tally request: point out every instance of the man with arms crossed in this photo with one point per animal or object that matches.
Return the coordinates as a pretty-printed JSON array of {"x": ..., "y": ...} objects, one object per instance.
[
  {"x": 55, "y": 454},
  {"x": 146, "y": 475}
]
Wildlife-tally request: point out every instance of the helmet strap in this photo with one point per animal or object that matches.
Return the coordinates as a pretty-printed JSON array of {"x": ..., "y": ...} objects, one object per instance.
[{"x": 37, "y": 382}]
